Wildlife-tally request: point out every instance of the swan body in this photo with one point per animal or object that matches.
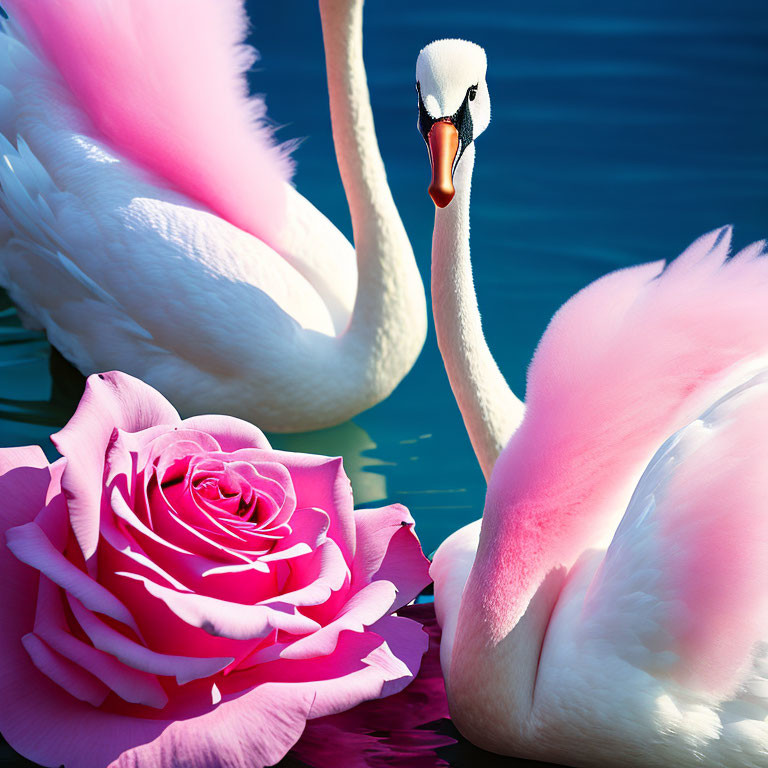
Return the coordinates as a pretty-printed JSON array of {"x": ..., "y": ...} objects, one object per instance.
[
  {"x": 610, "y": 608},
  {"x": 148, "y": 223}
]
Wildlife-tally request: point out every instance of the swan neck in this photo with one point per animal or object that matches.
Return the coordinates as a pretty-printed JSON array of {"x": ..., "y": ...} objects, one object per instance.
[
  {"x": 490, "y": 410},
  {"x": 388, "y": 322}
]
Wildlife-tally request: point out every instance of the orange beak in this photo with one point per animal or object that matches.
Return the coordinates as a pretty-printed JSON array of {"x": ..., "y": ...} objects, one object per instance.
[{"x": 443, "y": 146}]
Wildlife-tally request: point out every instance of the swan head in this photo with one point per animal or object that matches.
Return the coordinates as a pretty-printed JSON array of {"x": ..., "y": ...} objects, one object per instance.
[{"x": 454, "y": 107}]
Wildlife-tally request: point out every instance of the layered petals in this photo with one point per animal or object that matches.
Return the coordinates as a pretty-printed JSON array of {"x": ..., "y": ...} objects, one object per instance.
[
  {"x": 387, "y": 548},
  {"x": 178, "y": 593},
  {"x": 111, "y": 401}
]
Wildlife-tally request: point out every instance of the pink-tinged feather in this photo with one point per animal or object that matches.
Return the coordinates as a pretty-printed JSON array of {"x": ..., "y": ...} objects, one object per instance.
[
  {"x": 164, "y": 83},
  {"x": 624, "y": 364},
  {"x": 715, "y": 539},
  {"x": 685, "y": 573}
]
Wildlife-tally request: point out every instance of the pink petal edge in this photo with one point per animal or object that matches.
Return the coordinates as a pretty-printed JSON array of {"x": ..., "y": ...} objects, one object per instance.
[{"x": 111, "y": 401}]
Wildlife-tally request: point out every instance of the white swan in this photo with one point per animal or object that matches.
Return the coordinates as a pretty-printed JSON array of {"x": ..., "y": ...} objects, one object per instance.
[
  {"x": 148, "y": 225},
  {"x": 611, "y": 608}
]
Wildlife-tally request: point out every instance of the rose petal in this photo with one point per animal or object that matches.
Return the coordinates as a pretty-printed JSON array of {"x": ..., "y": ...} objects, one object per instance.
[
  {"x": 181, "y": 564},
  {"x": 44, "y": 723},
  {"x": 363, "y": 609},
  {"x": 111, "y": 401},
  {"x": 365, "y": 665},
  {"x": 122, "y": 509},
  {"x": 321, "y": 482},
  {"x": 129, "y": 684},
  {"x": 239, "y": 473},
  {"x": 222, "y": 618},
  {"x": 322, "y": 574},
  {"x": 169, "y": 527},
  {"x": 178, "y": 516},
  {"x": 223, "y": 570},
  {"x": 390, "y": 666},
  {"x": 127, "y": 450},
  {"x": 73, "y": 679},
  {"x": 251, "y": 731},
  {"x": 30, "y": 703},
  {"x": 183, "y": 668},
  {"x": 24, "y": 481},
  {"x": 31, "y": 546},
  {"x": 170, "y": 450},
  {"x": 231, "y": 433},
  {"x": 53, "y": 518},
  {"x": 24, "y": 456},
  {"x": 121, "y": 553},
  {"x": 307, "y": 525},
  {"x": 387, "y": 548}
]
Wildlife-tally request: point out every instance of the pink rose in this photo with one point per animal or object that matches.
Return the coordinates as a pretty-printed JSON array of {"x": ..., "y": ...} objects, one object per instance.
[{"x": 177, "y": 593}]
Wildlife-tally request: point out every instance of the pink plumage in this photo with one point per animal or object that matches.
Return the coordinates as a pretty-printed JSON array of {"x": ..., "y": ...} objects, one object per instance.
[
  {"x": 687, "y": 564},
  {"x": 624, "y": 364},
  {"x": 714, "y": 538},
  {"x": 164, "y": 82}
]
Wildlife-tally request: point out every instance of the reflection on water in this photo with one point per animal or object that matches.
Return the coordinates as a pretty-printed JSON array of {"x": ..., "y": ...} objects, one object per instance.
[{"x": 409, "y": 730}]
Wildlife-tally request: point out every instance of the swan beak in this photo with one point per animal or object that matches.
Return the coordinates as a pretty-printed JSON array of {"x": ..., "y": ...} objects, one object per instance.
[{"x": 443, "y": 144}]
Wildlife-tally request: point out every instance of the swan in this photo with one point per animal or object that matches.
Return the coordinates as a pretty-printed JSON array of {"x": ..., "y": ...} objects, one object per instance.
[
  {"x": 147, "y": 223},
  {"x": 610, "y": 608}
]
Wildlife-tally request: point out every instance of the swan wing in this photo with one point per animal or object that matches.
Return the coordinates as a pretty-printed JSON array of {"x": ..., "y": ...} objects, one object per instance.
[
  {"x": 51, "y": 290},
  {"x": 641, "y": 352},
  {"x": 112, "y": 266},
  {"x": 680, "y": 595},
  {"x": 164, "y": 83},
  {"x": 623, "y": 365}
]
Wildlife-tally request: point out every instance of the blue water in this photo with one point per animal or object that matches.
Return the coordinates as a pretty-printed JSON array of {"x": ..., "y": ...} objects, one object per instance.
[{"x": 620, "y": 132}]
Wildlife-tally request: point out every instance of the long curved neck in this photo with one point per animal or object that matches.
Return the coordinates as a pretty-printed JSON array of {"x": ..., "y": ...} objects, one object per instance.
[
  {"x": 490, "y": 409},
  {"x": 389, "y": 318}
]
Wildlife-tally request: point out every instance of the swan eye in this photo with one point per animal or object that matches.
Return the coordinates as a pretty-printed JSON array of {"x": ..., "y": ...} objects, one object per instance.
[{"x": 472, "y": 92}]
